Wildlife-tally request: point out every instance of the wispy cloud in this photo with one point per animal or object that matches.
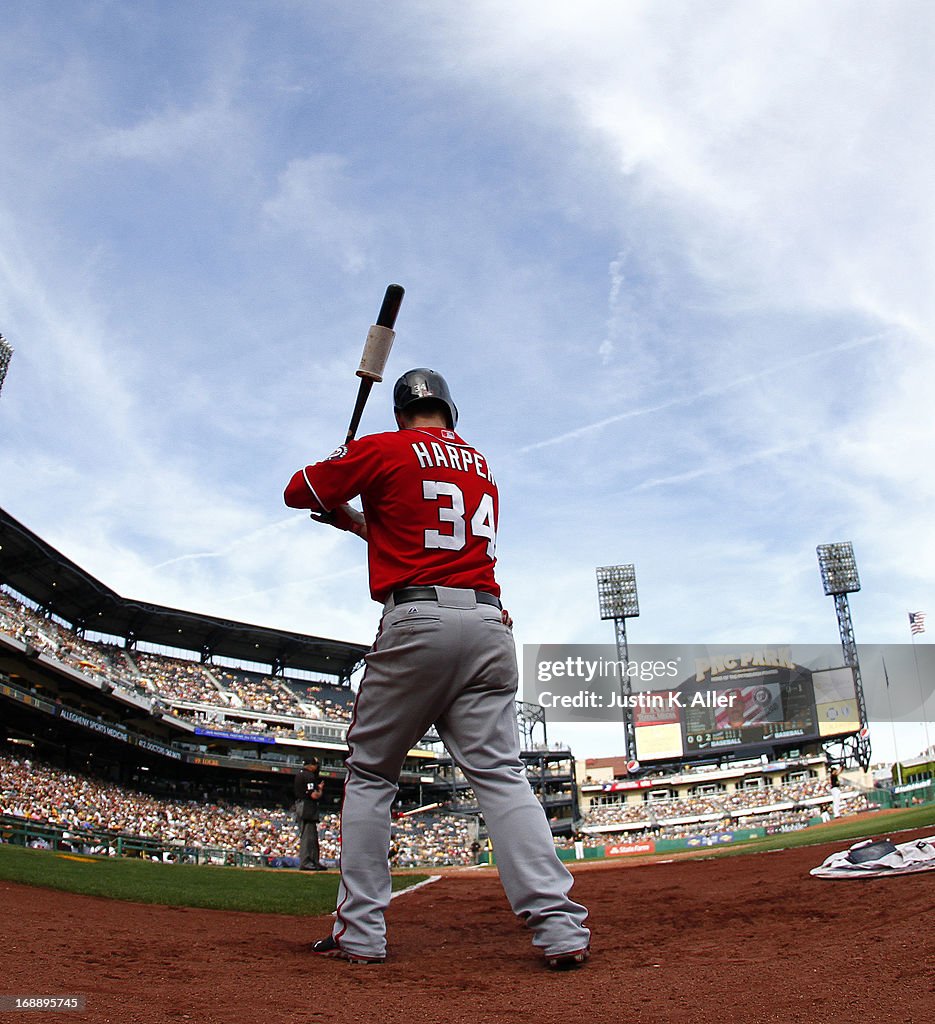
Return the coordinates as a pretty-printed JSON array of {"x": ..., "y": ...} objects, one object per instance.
[
  {"x": 314, "y": 200},
  {"x": 306, "y": 585},
  {"x": 704, "y": 393},
  {"x": 614, "y": 326},
  {"x": 718, "y": 467},
  {"x": 171, "y": 133},
  {"x": 263, "y": 533}
]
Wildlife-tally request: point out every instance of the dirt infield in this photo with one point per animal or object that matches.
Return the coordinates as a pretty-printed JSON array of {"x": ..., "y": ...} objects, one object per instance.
[{"x": 739, "y": 939}]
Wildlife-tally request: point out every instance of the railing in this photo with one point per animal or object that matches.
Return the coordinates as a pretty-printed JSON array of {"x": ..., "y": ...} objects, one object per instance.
[
  {"x": 103, "y": 842},
  {"x": 907, "y": 795}
]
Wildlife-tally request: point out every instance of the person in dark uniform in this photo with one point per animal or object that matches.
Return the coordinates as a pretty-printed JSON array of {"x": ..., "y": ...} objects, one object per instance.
[{"x": 309, "y": 787}]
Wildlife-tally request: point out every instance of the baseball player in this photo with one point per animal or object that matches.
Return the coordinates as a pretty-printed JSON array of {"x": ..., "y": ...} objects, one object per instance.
[{"x": 443, "y": 655}]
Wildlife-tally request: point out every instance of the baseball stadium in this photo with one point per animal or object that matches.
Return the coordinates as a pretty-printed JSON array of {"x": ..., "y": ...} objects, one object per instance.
[
  {"x": 149, "y": 841},
  {"x": 310, "y": 710}
]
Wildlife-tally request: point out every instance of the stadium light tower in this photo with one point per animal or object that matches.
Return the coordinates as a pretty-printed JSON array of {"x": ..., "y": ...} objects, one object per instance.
[
  {"x": 616, "y": 595},
  {"x": 528, "y": 717},
  {"x": 839, "y": 578},
  {"x": 6, "y": 351}
]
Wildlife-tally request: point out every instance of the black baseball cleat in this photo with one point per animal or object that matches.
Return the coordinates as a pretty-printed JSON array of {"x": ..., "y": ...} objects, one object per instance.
[
  {"x": 567, "y": 961},
  {"x": 328, "y": 947}
]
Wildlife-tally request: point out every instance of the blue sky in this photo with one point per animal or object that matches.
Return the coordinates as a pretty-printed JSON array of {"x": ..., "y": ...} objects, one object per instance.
[{"x": 676, "y": 261}]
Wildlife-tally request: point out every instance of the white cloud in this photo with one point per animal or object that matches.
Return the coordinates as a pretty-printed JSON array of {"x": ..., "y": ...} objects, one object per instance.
[
  {"x": 62, "y": 332},
  {"x": 170, "y": 134},
  {"x": 312, "y": 200}
]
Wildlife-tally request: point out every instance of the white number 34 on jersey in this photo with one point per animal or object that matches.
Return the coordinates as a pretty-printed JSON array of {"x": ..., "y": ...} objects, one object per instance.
[{"x": 453, "y": 515}]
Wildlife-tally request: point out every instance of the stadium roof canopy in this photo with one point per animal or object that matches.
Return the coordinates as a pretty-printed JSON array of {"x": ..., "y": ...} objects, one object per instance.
[{"x": 59, "y": 587}]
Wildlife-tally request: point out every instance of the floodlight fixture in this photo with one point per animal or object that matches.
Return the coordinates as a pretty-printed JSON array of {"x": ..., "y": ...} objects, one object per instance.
[
  {"x": 6, "y": 352},
  {"x": 616, "y": 592},
  {"x": 839, "y": 577},
  {"x": 838, "y": 568}
]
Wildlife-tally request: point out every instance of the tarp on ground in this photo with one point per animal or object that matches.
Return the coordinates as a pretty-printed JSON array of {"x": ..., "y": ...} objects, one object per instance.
[{"x": 874, "y": 858}]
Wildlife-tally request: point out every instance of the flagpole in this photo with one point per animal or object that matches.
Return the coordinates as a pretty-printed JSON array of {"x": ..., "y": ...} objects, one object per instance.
[
  {"x": 917, "y": 625},
  {"x": 889, "y": 700}
]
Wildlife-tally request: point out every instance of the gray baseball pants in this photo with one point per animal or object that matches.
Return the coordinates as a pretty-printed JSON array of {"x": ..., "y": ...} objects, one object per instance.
[{"x": 451, "y": 664}]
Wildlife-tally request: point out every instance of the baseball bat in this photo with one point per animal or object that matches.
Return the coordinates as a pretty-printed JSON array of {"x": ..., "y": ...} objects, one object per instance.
[
  {"x": 376, "y": 351},
  {"x": 418, "y": 810}
]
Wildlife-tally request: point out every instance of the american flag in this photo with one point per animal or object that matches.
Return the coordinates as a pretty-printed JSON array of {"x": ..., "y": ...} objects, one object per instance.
[{"x": 916, "y": 622}]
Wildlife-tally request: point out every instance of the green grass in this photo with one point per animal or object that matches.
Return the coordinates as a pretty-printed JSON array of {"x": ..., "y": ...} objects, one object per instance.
[
  {"x": 183, "y": 885},
  {"x": 305, "y": 893}
]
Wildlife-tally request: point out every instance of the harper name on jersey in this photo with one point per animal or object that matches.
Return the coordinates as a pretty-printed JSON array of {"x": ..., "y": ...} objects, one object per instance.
[{"x": 432, "y": 454}]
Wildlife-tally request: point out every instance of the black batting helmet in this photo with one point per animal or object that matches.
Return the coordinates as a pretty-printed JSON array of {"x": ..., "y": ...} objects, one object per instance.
[{"x": 419, "y": 384}]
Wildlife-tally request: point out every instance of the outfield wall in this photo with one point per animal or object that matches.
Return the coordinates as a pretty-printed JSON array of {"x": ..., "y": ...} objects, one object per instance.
[
  {"x": 641, "y": 847},
  {"x": 909, "y": 795},
  {"x": 103, "y": 843}
]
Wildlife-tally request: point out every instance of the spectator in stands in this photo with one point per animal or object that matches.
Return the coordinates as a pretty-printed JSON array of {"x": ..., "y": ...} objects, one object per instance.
[{"x": 35, "y": 791}]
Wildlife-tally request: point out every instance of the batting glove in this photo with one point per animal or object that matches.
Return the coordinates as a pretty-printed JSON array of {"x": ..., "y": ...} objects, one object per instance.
[{"x": 344, "y": 517}]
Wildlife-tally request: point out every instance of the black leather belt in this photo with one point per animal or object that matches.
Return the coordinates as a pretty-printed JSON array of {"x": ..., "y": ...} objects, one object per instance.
[{"x": 430, "y": 594}]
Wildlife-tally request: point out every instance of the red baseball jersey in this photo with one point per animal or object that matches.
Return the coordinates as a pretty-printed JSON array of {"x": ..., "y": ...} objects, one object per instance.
[{"x": 430, "y": 502}]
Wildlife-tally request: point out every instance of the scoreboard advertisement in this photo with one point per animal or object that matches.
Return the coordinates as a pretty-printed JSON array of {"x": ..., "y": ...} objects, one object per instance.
[
  {"x": 702, "y": 702},
  {"x": 745, "y": 702},
  {"x": 689, "y": 701}
]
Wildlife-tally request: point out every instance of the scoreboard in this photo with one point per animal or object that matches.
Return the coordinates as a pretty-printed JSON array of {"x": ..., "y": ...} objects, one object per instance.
[
  {"x": 746, "y": 702},
  {"x": 769, "y": 707}
]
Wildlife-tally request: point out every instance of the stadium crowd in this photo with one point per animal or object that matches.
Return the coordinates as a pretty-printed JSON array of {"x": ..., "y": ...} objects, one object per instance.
[
  {"x": 211, "y": 696},
  {"x": 33, "y": 790},
  {"x": 806, "y": 799},
  {"x": 175, "y": 680},
  {"x": 39, "y": 792}
]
